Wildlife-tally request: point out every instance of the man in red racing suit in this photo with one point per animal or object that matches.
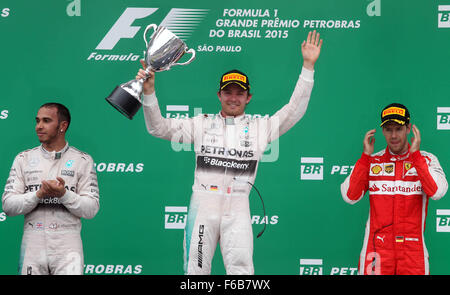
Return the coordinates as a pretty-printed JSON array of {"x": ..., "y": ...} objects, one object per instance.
[{"x": 400, "y": 180}]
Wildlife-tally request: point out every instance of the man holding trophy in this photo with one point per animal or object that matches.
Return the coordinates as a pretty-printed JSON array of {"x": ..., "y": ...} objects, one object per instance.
[{"x": 228, "y": 147}]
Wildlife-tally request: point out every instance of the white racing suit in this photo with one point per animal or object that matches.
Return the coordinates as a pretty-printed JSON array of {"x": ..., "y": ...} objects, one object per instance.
[
  {"x": 51, "y": 242},
  {"x": 227, "y": 154}
]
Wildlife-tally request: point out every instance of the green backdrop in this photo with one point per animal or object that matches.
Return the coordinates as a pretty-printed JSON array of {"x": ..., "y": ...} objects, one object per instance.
[{"x": 375, "y": 52}]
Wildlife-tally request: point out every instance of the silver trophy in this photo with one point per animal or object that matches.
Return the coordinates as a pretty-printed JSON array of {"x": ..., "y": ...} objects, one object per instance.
[{"x": 163, "y": 52}]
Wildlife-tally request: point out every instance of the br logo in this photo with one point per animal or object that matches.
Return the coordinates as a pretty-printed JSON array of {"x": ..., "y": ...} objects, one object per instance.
[
  {"x": 443, "y": 118},
  {"x": 443, "y": 220},
  {"x": 311, "y": 267},
  {"x": 444, "y": 16},
  {"x": 175, "y": 217},
  {"x": 311, "y": 168}
]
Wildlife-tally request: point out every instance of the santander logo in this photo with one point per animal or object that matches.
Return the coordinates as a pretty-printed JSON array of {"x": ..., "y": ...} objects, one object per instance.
[
  {"x": 395, "y": 187},
  {"x": 374, "y": 188}
]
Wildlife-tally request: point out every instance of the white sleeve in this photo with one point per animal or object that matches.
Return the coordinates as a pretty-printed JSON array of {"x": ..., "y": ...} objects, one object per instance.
[
  {"x": 178, "y": 130},
  {"x": 84, "y": 203},
  {"x": 438, "y": 175},
  {"x": 431, "y": 174},
  {"x": 15, "y": 199},
  {"x": 292, "y": 112}
]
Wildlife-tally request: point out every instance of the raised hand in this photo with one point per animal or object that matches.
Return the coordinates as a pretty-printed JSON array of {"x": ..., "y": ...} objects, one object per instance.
[
  {"x": 369, "y": 142},
  {"x": 149, "y": 79},
  {"x": 415, "y": 141},
  {"x": 311, "y": 49}
]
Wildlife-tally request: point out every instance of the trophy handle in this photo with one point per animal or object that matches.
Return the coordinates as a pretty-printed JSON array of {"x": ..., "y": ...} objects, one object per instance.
[
  {"x": 191, "y": 51},
  {"x": 152, "y": 26}
]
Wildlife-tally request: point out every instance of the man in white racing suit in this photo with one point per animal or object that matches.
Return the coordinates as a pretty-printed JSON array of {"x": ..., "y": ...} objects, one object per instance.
[
  {"x": 228, "y": 147},
  {"x": 53, "y": 185}
]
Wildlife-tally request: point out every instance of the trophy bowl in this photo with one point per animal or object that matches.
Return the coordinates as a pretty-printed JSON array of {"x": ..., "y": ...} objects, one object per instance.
[{"x": 162, "y": 52}]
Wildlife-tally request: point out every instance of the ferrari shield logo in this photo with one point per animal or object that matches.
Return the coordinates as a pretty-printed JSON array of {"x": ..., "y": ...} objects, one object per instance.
[{"x": 407, "y": 166}]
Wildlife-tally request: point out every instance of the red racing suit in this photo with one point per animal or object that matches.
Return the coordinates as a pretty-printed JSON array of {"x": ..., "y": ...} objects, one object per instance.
[{"x": 399, "y": 188}]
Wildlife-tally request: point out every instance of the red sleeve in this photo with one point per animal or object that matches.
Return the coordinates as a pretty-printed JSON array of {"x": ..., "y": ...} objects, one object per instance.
[
  {"x": 429, "y": 186},
  {"x": 357, "y": 184}
]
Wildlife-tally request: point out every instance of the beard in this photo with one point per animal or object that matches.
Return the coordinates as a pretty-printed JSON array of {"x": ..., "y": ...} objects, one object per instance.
[
  {"x": 49, "y": 136},
  {"x": 399, "y": 148}
]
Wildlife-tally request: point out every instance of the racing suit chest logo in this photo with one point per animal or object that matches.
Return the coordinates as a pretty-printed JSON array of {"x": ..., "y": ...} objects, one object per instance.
[
  {"x": 389, "y": 168},
  {"x": 382, "y": 169},
  {"x": 376, "y": 169},
  {"x": 222, "y": 151}
]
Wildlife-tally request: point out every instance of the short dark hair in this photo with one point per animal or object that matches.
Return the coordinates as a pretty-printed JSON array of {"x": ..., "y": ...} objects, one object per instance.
[{"x": 62, "y": 111}]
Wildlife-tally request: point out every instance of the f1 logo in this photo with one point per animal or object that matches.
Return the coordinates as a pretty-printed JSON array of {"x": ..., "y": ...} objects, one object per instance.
[
  {"x": 180, "y": 21},
  {"x": 122, "y": 27}
]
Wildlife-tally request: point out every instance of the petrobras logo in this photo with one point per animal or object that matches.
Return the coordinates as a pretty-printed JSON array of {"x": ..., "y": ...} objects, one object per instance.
[
  {"x": 112, "y": 269},
  {"x": 182, "y": 22},
  {"x": 343, "y": 271},
  {"x": 443, "y": 118},
  {"x": 175, "y": 217},
  {"x": 443, "y": 220},
  {"x": 257, "y": 219},
  {"x": 268, "y": 24},
  {"x": 342, "y": 169},
  {"x": 177, "y": 111},
  {"x": 180, "y": 112},
  {"x": 309, "y": 267},
  {"x": 311, "y": 168},
  {"x": 444, "y": 16},
  {"x": 112, "y": 167}
]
